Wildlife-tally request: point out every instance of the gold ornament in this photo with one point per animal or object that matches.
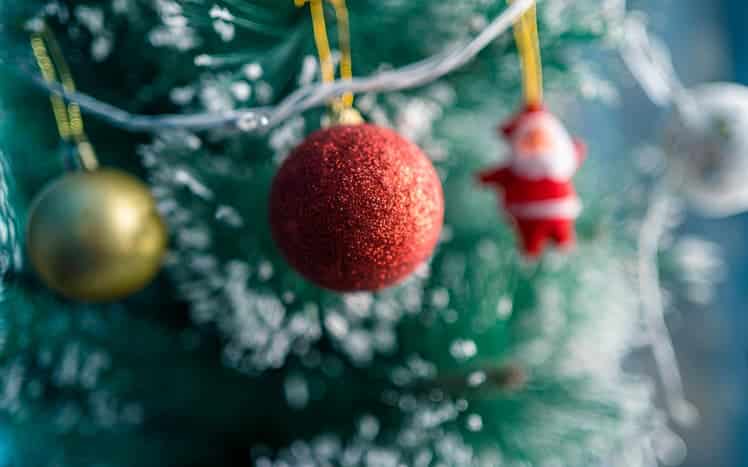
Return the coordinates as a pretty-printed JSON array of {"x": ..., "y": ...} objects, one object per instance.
[{"x": 96, "y": 236}]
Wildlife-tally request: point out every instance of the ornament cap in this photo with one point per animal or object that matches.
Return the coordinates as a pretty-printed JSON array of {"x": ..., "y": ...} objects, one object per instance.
[{"x": 343, "y": 116}]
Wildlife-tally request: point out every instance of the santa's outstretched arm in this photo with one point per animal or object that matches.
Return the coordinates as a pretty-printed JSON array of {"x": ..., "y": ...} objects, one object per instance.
[
  {"x": 581, "y": 149},
  {"x": 495, "y": 176}
]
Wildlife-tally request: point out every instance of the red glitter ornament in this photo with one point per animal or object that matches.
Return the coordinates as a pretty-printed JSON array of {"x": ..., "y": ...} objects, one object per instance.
[{"x": 356, "y": 207}]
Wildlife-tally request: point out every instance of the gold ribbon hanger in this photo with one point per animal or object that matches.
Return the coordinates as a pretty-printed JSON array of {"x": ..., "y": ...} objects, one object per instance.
[
  {"x": 528, "y": 45},
  {"x": 54, "y": 69},
  {"x": 342, "y": 108}
]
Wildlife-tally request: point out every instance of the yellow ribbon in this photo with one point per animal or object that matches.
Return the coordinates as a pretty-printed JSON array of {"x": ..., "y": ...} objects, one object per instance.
[
  {"x": 316, "y": 7},
  {"x": 54, "y": 69},
  {"x": 528, "y": 45}
]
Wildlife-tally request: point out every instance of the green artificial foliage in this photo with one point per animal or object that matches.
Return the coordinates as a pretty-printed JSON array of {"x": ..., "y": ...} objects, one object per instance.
[{"x": 232, "y": 359}]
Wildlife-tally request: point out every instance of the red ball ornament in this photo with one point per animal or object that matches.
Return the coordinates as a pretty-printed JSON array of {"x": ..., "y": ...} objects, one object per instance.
[{"x": 356, "y": 207}]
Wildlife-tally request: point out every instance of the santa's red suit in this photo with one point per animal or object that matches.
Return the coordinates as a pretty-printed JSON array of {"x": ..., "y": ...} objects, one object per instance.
[{"x": 536, "y": 182}]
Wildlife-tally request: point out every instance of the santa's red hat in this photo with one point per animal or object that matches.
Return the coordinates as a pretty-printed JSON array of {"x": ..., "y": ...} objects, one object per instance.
[{"x": 508, "y": 128}]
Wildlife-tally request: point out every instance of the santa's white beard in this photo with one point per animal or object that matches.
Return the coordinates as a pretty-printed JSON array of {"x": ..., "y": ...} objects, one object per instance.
[{"x": 559, "y": 167}]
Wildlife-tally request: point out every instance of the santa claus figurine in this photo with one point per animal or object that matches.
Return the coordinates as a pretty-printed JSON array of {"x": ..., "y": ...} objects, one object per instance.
[{"x": 535, "y": 182}]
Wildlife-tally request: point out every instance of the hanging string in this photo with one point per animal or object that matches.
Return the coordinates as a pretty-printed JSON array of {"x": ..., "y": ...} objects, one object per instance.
[
  {"x": 344, "y": 41},
  {"x": 54, "y": 69},
  {"x": 322, "y": 43},
  {"x": 528, "y": 45}
]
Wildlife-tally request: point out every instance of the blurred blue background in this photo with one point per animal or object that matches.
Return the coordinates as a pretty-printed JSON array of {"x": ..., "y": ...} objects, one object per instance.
[{"x": 709, "y": 42}]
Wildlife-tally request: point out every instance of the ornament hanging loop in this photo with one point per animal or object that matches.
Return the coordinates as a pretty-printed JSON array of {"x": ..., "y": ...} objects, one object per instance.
[
  {"x": 528, "y": 46},
  {"x": 68, "y": 117},
  {"x": 342, "y": 111}
]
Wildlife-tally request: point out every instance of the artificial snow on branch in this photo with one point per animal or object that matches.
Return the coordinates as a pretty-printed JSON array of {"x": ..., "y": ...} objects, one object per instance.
[
  {"x": 261, "y": 119},
  {"x": 652, "y": 230}
]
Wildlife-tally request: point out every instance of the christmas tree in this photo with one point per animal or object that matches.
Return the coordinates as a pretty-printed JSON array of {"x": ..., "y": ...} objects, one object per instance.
[{"x": 230, "y": 357}]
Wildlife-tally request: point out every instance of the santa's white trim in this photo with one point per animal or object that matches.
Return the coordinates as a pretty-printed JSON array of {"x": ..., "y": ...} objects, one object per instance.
[
  {"x": 558, "y": 162},
  {"x": 560, "y": 208}
]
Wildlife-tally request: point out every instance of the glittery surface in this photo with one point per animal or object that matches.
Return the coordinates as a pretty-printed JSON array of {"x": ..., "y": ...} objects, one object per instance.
[{"x": 356, "y": 208}]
